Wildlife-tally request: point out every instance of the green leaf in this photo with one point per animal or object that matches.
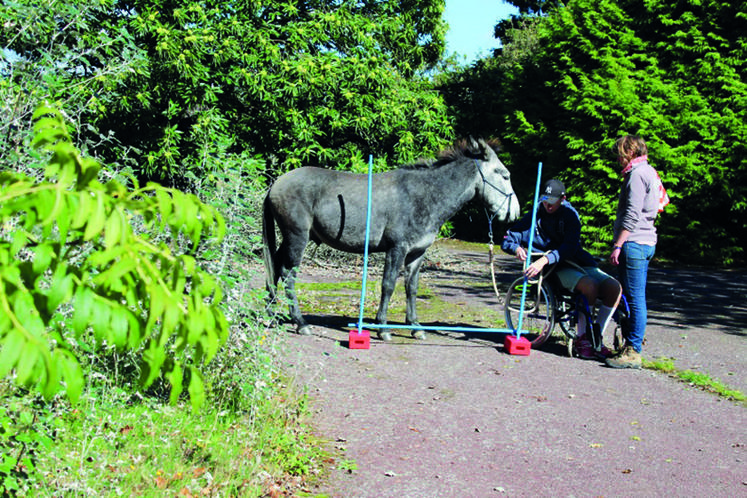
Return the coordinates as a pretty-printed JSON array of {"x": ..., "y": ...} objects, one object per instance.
[
  {"x": 11, "y": 348},
  {"x": 61, "y": 288},
  {"x": 22, "y": 302},
  {"x": 71, "y": 373},
  {"x": 153, "y": 358},
  {"x": 83, "y": 210},
  {"x": 26, "y": 371},
  {"x": 115, "y": 228},
  {"x": 101, "y": 321},
  {"x": 196, "y": 389},
  {"x": 95, "y": 223},
  {"x": 119, "y": 326},
  {"x": 43, "y": 255},
  {"x": 165, "y": 204},
  {"x": 175, "y": 378},
  {"x": 83, "y": 306}
]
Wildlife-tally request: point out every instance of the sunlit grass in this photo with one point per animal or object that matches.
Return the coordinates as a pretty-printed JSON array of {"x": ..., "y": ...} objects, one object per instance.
[
  {"x": 697, "y": 379},
  {"x": 110, "y": 447},
  {"x": 343, "y": 299}
]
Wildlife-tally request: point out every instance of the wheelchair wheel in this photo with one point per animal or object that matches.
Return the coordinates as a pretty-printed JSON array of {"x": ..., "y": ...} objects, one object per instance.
[
  {"x": 565, "y": 317},
  {"x": 539, "y": 305},
  {"x": 621, "y": 318}
]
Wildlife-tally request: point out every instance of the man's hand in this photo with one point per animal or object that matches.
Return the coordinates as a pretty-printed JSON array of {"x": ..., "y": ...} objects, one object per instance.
[
  {"x": 521, "y": 253},
  {"x": 535, "y": 268}
]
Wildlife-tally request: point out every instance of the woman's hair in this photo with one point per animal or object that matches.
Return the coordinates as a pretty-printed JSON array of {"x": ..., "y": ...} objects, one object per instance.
[{"x": 629, "y": 147}]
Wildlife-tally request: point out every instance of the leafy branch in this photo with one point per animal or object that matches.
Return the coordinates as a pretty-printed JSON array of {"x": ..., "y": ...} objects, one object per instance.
[{"x": 121, "y": 289}]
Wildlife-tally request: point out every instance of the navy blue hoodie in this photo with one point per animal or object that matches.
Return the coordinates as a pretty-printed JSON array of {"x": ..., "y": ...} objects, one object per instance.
[{"x": 559, "y": 233}]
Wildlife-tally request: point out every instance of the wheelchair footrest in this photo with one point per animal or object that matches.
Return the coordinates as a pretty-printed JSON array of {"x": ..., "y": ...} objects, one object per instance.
[{"x": 517, "y": 345}]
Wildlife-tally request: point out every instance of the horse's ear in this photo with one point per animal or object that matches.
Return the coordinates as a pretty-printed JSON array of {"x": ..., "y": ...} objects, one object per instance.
[
  {"x": 476, "y": 148},
  {"x": 495, "y": 144}
]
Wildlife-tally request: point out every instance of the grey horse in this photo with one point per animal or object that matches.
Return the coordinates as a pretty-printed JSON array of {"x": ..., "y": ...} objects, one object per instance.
[{"x": 409, "y": 206}]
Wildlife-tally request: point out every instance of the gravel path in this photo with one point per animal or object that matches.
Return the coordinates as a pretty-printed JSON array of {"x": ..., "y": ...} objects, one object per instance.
[{"x": 456, "y": 415}]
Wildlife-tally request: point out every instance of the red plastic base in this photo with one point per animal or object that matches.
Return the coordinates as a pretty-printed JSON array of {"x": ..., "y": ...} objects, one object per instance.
[
  {"x": 517, "y": 345},
  {"x": 360, "y": 340}
]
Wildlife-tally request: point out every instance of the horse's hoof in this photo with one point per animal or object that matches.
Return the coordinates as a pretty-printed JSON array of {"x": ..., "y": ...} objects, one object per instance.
[
  {"x": 419, "y": 335},
  {"x": 304, "y": 330},
  {"x": 385, "y": 336}
]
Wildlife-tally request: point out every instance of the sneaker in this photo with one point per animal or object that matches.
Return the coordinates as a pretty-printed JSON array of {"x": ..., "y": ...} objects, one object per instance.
[
  {"x": 604, "y": 353},
  {"x": 583, "y": 348},
  {"x": 627, "y": 358}
]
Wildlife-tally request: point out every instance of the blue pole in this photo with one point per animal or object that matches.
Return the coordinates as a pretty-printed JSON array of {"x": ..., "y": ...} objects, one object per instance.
[
  {"x": 529, "y": 249},
  {"x": 435, "y": 327},
  {"x": 365, "y": 248}
]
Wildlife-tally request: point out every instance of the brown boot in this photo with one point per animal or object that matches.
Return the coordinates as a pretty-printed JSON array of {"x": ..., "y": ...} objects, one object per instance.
[{"x": 627, "y": 358}]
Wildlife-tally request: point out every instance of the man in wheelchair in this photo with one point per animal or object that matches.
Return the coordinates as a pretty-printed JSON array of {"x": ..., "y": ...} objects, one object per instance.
[{"x": 558, "y": 236}]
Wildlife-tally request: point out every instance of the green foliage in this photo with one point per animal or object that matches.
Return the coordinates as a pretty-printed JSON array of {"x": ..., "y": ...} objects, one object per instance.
[
  {"x": 110, "y": 445},
  {"x": 24, "y": 433},
  {"x": 74, "y": 276},
  {"x": 568, "y": 83},
  {"x": 166, "y": 87}
]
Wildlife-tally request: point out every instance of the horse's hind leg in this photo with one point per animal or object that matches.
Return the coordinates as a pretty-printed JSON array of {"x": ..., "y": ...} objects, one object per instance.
[
  {"x": 392, "y": 264},
  {"x": 412, "y": 276},
  {"x": 291, "y": 252}
]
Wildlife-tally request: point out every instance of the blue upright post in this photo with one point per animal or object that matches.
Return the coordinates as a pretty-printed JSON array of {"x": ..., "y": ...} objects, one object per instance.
[
  {"x": 529, "y": 249},
  {"x": 361, "y": 340},
  {"x": 365, "y": 248}
]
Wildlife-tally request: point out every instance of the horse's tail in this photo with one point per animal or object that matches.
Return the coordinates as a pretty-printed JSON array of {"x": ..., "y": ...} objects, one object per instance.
[{"x": 269, "y": 246}]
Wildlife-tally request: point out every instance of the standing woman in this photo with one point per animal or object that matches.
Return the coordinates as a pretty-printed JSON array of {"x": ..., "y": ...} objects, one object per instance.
[{"x": 641, "y": 198}]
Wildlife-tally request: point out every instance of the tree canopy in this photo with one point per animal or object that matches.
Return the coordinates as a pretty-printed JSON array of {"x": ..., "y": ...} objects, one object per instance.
[
  {"x": 566, "y": 84},
  {"x": 176, "y": 84},
  {"x": 174, "y": 89}
]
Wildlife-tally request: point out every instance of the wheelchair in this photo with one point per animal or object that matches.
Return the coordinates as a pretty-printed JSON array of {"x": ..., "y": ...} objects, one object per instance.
[{"x": 547, "y": 304}]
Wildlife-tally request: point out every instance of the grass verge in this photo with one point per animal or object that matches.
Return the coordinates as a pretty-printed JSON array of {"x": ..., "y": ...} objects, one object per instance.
[
  {"x": 114, "y": 444},
  {"x": 697, "y": 379}
]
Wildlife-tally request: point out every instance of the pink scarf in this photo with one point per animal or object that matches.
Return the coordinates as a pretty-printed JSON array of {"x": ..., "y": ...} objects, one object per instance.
[{"x": 633, "y": 162}]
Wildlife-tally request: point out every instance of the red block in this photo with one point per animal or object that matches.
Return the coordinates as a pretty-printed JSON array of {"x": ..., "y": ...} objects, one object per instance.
[
  {"x": 359, "y": 340},
  {"x": 517, "y": 345}
]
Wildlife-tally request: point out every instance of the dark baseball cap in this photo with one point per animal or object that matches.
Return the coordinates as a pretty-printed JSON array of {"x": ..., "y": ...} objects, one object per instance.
[{"x": 552, "y": 191}]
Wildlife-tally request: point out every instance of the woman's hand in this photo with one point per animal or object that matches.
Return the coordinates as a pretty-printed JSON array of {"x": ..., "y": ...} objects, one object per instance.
[{"x": 615, "y": 255}]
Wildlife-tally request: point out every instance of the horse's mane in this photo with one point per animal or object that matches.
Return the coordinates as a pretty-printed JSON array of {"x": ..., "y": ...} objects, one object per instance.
[{"x": 461, "y": 148}]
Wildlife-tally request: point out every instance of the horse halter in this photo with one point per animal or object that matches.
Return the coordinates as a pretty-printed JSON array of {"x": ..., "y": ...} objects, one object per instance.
[{"x": 507, "y": 196}]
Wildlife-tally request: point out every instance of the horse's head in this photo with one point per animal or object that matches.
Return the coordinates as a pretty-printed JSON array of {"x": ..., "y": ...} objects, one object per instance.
[{"x": 494, "y": 183}]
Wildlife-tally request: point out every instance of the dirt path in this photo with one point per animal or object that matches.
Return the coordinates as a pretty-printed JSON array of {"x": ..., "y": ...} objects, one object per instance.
[{"x": 456, "y": 416}]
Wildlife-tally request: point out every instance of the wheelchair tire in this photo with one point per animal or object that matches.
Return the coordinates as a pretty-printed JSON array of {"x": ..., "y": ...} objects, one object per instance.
[
  {"x": 539, "y": 306},
  {"x": 621, "y": 319}
]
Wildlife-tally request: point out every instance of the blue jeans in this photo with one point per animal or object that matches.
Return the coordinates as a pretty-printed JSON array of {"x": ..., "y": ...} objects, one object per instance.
[{"x": 634, "y": 260}]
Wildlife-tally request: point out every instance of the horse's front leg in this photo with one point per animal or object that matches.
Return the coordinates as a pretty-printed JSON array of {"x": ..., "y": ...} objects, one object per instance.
[
  {"x": 412, "y": 276},
  {"x": 392, "y": 264}
]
